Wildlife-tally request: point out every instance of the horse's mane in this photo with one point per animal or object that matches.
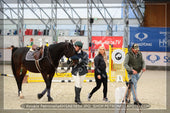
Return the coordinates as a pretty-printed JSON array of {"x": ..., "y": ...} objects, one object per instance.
[
  {"x": 57, "y": 44},
  {"x": 56, "y": 51}
]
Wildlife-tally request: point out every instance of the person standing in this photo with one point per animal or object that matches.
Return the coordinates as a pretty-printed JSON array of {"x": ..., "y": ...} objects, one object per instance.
[
  {"x": 100, "y": 63},
  {"x": 134, "y": 64},
  {"x": 79, "y": 69}
]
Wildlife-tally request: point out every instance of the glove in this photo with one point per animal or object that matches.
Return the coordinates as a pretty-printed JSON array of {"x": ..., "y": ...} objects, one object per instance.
[
  {"x": 75, "y": 62},
  {"x": 75, "y": 57}
]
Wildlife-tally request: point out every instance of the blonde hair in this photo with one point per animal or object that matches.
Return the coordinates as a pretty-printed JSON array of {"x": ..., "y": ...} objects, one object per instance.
[{"x": 104, "y": 55}]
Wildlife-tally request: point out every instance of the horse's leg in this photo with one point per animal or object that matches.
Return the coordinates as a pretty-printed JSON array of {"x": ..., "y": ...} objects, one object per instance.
[
  {"x": 48, "y": 80},
  {"x": 40, "y": 95},
  {"x": 19, "y": 78},
  {"x": 16, "y": 71},
  {"x": 49, "y": 87},
  {"x": 22, "y": 75}
]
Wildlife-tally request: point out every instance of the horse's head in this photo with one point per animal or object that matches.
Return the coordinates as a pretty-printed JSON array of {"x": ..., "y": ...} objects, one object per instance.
[{"x": 70, "y": 50}]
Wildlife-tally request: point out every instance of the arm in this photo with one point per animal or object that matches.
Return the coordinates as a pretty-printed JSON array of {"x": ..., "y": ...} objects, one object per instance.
[
  {"x": 127, "y": 67},
  {"x": 75, "y": 59},
  {"x": 96, "y": 63},
  {"x": 84, "y": 60}
]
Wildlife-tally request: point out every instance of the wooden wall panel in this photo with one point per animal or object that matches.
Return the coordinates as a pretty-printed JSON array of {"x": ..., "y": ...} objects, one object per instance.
[
  {"x": 168, "y": 14},
  {"x": 155, "y": 15}
]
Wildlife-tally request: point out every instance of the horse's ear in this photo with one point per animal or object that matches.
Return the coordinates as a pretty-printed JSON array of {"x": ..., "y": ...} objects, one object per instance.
[
  {"x": 66, "y": 41},
  {"x": 74, "y": 41}
]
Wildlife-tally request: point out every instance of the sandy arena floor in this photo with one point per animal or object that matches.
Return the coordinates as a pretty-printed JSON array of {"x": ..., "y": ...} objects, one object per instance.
[{"x": 151, "y": 90}]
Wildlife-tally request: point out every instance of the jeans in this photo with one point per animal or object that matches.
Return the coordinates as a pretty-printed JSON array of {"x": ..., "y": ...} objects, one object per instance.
[{"x": 134, "y": 79}]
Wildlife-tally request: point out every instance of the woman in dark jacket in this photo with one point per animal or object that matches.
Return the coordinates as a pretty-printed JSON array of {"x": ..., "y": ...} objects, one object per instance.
[{"x": 100, "y": 62}]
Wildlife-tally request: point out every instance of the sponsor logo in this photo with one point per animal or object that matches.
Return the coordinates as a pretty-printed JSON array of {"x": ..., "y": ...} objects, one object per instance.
[
  {"x": 118, "y": 56},
  {"x": 153, "y": 58},
  {"x": 163, "y": 43},
  {"x": 166, "y": 59},
  {"x": 80, "y": 69},
  {"x": 143, "y": 44},
  {"x": 141, "y": 36},
  {"x": 116, "y": 42},
  {"x": 105, "y": 41}
]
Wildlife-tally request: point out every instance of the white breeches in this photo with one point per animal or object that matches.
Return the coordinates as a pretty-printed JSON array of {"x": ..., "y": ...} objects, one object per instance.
[{"x": 78, "y": 80}]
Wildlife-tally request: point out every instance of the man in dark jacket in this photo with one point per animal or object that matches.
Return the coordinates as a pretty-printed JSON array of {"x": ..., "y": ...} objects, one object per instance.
[
  {"x": 79, "y": 69},
  {"x": 134, "y": 63}
]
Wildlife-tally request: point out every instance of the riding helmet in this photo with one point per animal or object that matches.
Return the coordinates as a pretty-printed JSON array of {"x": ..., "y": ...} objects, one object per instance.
[{"x": 78, "y": 43}]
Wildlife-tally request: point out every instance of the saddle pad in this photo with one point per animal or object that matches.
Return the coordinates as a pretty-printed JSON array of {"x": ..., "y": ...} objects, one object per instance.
[{"x": 30, "y": 55}]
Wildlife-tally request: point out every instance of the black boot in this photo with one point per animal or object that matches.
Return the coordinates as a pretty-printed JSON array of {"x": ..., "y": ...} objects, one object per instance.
[{"x": 77, "y": 95}]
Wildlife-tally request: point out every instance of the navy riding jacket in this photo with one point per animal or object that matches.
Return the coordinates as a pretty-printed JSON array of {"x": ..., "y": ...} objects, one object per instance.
[{"x": 80, "y": 67}]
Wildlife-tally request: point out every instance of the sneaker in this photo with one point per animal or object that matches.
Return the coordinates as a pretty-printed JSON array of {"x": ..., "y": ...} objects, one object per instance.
[
  {"x": 89, "y": 97},
  {"x": 137, "y": 103},
  {"x": 106, "y": 100}
]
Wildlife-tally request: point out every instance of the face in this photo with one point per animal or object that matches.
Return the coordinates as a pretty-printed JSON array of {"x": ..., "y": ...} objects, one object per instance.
[
  {"x": 135, "y": 51},
  {"x": 101, "y": 51},
  {"x": 77, "y": 48}
]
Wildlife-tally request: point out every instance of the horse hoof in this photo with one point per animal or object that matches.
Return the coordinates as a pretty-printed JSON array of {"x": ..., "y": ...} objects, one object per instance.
[
  {"x": 50, "y": 99},
  {"x": 39, "y": 96}
]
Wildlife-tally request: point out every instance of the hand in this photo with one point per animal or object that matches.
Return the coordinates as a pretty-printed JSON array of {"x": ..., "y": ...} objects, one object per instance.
[
  {"x": 98, "y": 76},
  {"x": 143, "y": 70},
  {"x": 68, "y": 61},
  {"x": 135, "y": 72}
]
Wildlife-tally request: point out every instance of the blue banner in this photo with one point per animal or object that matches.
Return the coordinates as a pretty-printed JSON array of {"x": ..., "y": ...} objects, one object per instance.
[{"x": 150, "y": 39}]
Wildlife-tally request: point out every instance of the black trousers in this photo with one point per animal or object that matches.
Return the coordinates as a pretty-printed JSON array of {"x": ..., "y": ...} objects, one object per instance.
[{"x": 98, "y": 85}]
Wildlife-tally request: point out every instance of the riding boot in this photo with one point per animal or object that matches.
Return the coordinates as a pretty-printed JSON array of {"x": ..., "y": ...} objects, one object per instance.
[{"x": 77, "y": 95}]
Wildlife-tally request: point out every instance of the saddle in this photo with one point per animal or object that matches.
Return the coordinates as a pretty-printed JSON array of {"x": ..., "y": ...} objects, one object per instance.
[{"x": 38, "y": 51}]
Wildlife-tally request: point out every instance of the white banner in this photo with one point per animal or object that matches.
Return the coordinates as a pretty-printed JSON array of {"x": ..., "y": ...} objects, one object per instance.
[
  {"x": 5, "y": 54},
  {"x": 156, "y": 58},
  {"x": 10, "y": 40}
]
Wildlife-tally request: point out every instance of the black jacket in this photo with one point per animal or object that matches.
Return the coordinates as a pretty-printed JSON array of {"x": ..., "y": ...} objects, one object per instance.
[
  {"x": 100, "y": 66},
  {"x": 81, "y": 60}
]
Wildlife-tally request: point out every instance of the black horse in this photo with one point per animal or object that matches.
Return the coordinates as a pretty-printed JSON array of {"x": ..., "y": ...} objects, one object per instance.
[{"x": 47, "y": 64}]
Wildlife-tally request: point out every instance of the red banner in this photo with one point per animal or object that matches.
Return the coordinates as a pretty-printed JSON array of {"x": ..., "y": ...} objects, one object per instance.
[{"x": 116, "y": 41}]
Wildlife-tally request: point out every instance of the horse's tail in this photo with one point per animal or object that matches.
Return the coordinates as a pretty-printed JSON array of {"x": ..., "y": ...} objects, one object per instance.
[{"x": 12, "y": 60}]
